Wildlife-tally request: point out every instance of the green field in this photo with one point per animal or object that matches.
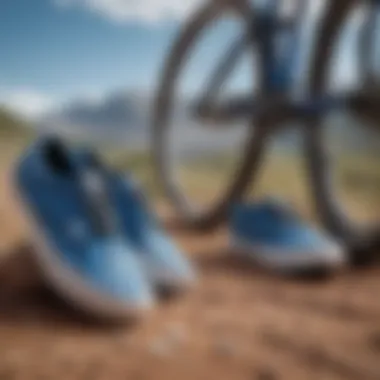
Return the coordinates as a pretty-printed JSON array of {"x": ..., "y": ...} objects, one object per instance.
[
  {"x": 357, "y": 180},
  {"x": 357, "y": 176}
]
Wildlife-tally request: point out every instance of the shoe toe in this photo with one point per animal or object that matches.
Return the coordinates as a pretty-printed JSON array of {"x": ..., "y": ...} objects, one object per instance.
[
  {"x": 118, "y": 278},
  {"x": 166, "y": 265}
]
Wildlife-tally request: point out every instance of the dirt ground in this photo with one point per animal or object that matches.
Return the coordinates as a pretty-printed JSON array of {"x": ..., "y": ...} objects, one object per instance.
[{"x": 239, "y": 323}]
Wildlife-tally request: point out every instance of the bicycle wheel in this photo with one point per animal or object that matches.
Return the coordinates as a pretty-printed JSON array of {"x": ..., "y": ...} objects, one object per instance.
[
  {"x": 328, "y": 201},
  {"x": 368, "y": 50},
  {"x": 247, "y": 155}
]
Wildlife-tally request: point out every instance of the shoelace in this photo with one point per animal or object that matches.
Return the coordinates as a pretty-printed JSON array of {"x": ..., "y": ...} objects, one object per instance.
[
  {"x": 90, "y": 176},
  {"x": 98, "y": 204}
]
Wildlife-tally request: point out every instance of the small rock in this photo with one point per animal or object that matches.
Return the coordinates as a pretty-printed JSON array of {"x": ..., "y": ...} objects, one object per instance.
[
  {"x": 214, "y": 297},
  {"x": 265, "y": 374},
  {"x": 8, "y": 373},
  {"x": 226, "y": 348},
  {"x": 123, "y": 341},
  {"x": 160, "y": 348},
  {"x": 176, "y": 333},
  {"x": 174, "y": 336},
  {"x": 374, "y": 341}
]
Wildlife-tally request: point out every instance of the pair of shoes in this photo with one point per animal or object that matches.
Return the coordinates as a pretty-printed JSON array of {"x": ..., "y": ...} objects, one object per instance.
[
  {"x": 271, "y": 234},
  {"x": 97, "y": 243}
]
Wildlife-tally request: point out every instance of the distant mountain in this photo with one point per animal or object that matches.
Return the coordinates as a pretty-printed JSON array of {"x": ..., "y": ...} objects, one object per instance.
[
  {"x": 123, "y": 118},
  {"x": 119, "y": 118},
  {"x": 118, "y": 111}
]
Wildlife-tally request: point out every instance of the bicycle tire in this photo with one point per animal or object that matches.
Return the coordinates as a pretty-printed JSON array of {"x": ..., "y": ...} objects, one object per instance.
[
  {"x": 252, "y": 152},
  {"x": 360, "y": 242}
]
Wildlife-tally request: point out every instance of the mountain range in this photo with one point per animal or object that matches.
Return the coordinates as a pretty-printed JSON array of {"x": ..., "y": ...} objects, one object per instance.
[
  {"x": 124, "y": 118},
  {"x": 119, "y": 118}
]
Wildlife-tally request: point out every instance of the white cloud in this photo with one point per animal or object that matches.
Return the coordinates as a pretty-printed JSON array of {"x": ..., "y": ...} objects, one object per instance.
[
  {"x": 26, "y": 103},
  {"x": 154, "y": 11},
  {"x": 148, "y": 11}
]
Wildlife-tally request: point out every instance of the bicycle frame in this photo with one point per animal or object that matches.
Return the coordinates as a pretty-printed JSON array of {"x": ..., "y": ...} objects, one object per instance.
[
  {"x": 264, "y": 27},
  {"x": 279, "y": 63},
  {"x": 273, "y": 104}
]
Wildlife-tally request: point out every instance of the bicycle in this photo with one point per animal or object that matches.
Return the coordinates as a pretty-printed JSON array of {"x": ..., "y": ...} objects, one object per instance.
[{"x": 274, "y": 104}]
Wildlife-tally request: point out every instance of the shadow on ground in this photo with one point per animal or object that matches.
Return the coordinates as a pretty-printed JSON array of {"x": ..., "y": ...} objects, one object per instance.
[
  {"x": 229, "y": 262},
  {"x": 26, "y": 300}
]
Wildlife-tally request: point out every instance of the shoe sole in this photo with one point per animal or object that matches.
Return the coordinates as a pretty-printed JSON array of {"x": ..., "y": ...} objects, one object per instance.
[{"x": 289, "y": 262}]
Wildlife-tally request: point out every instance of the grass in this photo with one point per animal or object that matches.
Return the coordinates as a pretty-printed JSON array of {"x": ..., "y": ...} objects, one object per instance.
[
  {"x": 15, "y": 135},
  {"x": 357, "y": 175},
  {"x": 357, "y": 179}
]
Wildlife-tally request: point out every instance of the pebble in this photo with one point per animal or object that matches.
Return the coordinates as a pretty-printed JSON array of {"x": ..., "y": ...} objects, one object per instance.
[
  {"x": 174, "y": 336},
  {"x": 226, "y": 348},
  {"x": 124, "y": 341},
  {"x": 176, "y": 333},
  {"x": 374, "y": 341},
  {"x": 265, "y": 374},
  {"x": 160, "y": 348}
]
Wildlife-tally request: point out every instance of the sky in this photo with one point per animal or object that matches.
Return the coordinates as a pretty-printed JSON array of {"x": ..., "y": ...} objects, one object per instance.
[{"x": 56, "y": 50}]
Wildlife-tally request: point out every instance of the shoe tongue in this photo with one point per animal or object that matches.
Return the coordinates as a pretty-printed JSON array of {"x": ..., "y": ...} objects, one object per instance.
[
  {"x": 95, "y": 192},
  {"x": 56, "y": 156},
  {"x": 88, "y": 172}
]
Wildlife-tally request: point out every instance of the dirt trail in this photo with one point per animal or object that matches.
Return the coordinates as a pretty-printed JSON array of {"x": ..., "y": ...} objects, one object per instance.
[{"x": 239, "y": 323}]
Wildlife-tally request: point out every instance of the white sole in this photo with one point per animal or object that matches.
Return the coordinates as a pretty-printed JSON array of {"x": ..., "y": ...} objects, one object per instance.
[
  {"x": 286, "y": 261},
  {"x": 169, "y": 282},
  {"x": 70, "y": 285}
]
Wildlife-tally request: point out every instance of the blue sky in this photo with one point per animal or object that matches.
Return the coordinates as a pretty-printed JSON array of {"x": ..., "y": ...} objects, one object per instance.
[
  {"x": 66, "y": 50},
  {"x": 56, "y": 50}
]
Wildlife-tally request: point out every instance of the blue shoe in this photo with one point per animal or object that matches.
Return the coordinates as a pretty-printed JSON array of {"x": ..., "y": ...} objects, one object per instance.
[
  {"x": 79, "y": 249},
  {"x": 162, "y": 259},
  {"x": 163, "y": 262},
  {"x": 278, "y": 240}
]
